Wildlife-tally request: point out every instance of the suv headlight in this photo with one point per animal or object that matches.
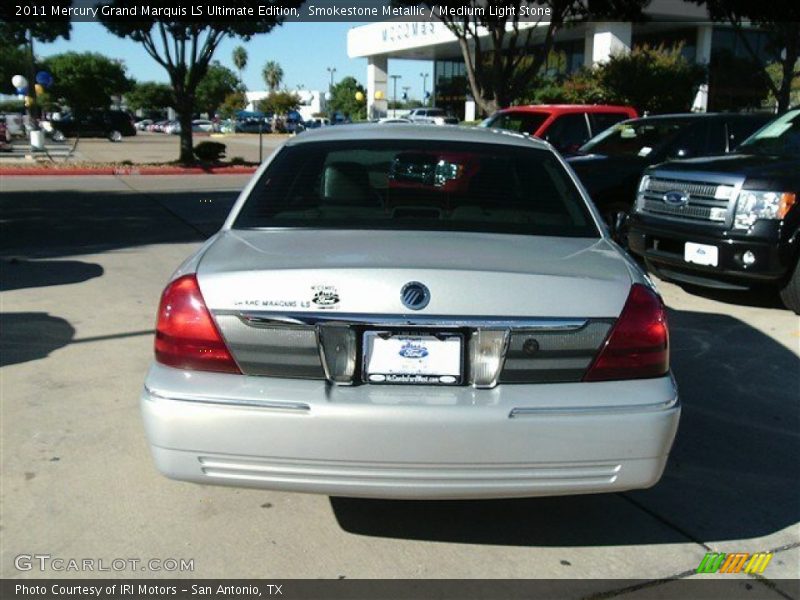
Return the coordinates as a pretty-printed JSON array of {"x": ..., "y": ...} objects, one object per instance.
[
  {"x": 753, "y": 205},
  {"x": 643, "y": 183}
]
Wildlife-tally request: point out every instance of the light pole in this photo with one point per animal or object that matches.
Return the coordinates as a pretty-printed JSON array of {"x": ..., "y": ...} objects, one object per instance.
[
  {"x": 424, "y": 85},
  {"x": 394, "y": 93},
  {"x": 331, "y": 70}
]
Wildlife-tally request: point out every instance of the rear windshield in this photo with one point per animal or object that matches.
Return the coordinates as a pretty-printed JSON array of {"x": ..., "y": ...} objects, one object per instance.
[
  {"x": 636, "y": 138},
  {"x": 411, "y": 185}
]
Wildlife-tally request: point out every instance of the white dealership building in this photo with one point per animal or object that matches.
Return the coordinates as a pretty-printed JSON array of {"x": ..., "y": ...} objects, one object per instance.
[{"x": 667, "y": 22}]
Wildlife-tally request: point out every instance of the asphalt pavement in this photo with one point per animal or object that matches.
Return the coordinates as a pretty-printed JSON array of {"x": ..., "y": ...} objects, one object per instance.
[{"x": 84, "y": 260}]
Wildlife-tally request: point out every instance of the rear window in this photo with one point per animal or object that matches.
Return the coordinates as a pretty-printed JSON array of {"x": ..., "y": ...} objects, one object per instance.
[{"x": 407, "y": 185}]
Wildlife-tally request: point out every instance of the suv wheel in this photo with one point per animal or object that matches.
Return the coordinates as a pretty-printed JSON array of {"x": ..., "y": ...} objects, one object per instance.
[
  {"x": 115, "y": 136},
  {"x": 790, "y": 295},
  {"x": 58, "y": 136}
]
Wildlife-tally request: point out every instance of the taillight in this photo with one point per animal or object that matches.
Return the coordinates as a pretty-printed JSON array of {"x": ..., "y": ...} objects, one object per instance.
[
  {"x": 638, "y": 345},
  {"x": 186, "y": 336}
]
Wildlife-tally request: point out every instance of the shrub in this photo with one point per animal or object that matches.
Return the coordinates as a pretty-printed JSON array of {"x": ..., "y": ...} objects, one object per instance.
[{"x": 209, "y": 151}]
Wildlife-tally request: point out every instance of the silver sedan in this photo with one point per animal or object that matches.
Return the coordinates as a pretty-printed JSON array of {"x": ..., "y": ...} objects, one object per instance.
[{"x": 403, "y": 311}]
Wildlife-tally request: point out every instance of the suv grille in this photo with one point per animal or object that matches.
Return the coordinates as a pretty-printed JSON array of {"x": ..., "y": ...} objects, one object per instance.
[{"x": 702, "y": 202}]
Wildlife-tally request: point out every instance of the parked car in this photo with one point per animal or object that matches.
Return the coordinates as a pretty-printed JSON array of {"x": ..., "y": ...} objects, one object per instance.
[
  {"x": 111, "y": 124},
  {"x": 431, "y": 116},
  {"x": 203, "y": 125},
  {"x": 727, "y": 221},
  {"x": 317, "y": 122},
  {"x": 252, "y": 126},
  {"x": 565, "y": 126},
  {"x": 5, "y": 137},
  {"x": 344, "y": 337},
  {"x": 610, "y": 164},
  {"x": 143, "y": 124},
  {"x": 15, "y": 124},
  {"x": 172, "y": 127}
]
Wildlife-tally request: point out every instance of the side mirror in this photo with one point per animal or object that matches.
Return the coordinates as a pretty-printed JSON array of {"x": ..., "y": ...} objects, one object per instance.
[{"x": 619, "y": 222}]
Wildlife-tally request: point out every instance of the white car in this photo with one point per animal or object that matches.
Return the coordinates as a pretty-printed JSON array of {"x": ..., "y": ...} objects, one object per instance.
[
  {"x": 406, "y": 311},
  {"x": 202, "y": 125},
  {"x": 432, "y": 116}
]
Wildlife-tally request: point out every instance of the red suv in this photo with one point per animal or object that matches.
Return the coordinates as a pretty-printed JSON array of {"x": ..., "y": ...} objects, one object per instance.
[{"x": 566, "y": 126}]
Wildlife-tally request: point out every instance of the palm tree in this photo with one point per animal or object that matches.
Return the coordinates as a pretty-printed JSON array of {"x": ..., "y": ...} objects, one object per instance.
[
  {"x": 240, "y": 60},
  {"x": 273, "y": 75}
]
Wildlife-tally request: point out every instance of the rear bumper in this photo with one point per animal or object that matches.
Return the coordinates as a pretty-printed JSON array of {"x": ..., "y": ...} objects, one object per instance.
[{"x": 409, "y": 442}]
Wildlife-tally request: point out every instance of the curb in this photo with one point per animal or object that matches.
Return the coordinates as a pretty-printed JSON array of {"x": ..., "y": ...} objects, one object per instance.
[{"x": 6, "y": 172}]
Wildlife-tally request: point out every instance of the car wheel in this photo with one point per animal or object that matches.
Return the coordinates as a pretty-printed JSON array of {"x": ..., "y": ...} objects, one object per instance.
[
  {"x": 58, "y": 136},
  {"x": 115, "y": 136},
  {"x": 790, "y": 295}
]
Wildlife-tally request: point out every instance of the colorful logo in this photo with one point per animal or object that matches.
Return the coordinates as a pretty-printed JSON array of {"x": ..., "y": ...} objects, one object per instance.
[{"x": 736, "y": 562}]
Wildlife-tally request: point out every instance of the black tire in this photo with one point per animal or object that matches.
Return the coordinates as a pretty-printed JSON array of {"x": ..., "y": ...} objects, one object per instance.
[
  {"x": 58, "y": 136},
  {"x": 115, "y": 135},
  {"x": 790, "y": 294}
]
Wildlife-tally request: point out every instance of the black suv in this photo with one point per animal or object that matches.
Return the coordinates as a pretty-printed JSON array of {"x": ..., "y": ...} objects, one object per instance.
[
  {"x": 611, "y": 164},
  {"x": 727, "y": 221},
  {"x": 111, "y": 124}
]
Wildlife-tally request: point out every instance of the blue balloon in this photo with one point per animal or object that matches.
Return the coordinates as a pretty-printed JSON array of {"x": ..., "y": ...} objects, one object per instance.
[{"x": 44, "y": 78}]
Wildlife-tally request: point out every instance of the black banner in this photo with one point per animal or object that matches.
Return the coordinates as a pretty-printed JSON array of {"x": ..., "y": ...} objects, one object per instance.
[{"x": 694, "y": 587}]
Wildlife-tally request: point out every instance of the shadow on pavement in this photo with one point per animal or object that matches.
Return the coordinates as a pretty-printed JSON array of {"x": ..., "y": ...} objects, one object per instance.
[
  {"x": 63, "y": 223},
  {"x": 18, "y": 274},
  {"x": 732, "y": 475},
  {"x": 760, "y": 297},
  {"x": 30, "y": 336}
]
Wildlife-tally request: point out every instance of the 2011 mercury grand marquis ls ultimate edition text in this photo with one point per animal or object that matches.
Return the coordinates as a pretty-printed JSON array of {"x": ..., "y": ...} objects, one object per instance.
[{"x": 403, "y": 311}]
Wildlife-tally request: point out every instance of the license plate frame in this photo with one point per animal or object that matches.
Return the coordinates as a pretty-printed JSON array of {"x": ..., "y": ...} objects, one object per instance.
[
  {"x": 701, "y": 254},
  {"x": 442, "y": 364}
]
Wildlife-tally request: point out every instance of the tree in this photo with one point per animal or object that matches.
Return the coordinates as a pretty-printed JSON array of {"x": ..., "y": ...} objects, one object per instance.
[
  {"x": 15, "y": 61},
  {"x": 150, "y": 95},
  {"x": 240, "y": 61},
  {"x": 498, "y": 51},
  {"x": 781, "y": 22},
  {"x": 233, "y": 103},
  {"x": 343, "y": 99},
  {"x": 651, "y": 79},
  {"x": 215, "y": 86},
  {"x": 279, "y": 103},
  {"x": 22, "y": 33},
  {"x": 185, "y": 48},
  {"x": 86, "y": 80},
  {"x": 273, "y": 75}
]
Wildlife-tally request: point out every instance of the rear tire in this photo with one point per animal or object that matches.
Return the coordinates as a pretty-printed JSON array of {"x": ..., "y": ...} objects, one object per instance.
[
  {"x": 115, "y": 136},
  {"x": 790, "y": 294},
  {"x": 58, "y": 136}
]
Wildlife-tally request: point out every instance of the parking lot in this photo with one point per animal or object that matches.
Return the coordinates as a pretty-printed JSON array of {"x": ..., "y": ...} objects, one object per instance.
[{"x": 84, "y": 260}]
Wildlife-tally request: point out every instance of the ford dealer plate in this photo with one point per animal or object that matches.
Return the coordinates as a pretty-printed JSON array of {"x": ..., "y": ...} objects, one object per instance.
[
  {"x": 413, "y": 359},
  {"x": 701, "y": 254}
]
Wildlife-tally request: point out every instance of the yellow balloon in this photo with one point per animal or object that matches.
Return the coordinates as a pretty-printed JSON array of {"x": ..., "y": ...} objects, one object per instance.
[
  {"x": 359, "y": 97},
  {"x": 39, "y": 89},
  {"x": 379, "y": 95},
  {"x": 28, "y": 101}
]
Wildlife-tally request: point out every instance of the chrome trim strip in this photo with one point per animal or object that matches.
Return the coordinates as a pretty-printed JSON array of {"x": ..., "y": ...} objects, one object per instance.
[
  {"x": 589, "y": 410},
  {"x": 256, "y": 318},
  {"x": 290, "y": 406}
]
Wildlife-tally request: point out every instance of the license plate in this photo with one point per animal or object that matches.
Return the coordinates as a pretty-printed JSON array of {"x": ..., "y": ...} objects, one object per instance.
[
  {"x": 701, "y": 254},
  {"x": 413, "y": 359}
]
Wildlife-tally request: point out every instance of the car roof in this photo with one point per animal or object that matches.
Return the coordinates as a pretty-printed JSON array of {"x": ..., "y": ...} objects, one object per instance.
[
  {"x": 411, "y": 131},
  {"x": 565, "y": 108}
]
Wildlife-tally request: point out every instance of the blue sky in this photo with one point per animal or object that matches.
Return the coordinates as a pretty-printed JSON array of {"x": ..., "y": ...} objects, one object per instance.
[{"x": 304, "y": 50}]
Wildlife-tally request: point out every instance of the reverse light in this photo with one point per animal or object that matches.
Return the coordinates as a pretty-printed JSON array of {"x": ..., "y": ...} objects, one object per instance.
[
  {"x": 638, "y": 345},
  {"x": 754, "y": 205},
  {"x": 186, "y": 336},
  {"x": 487, "y": 347}
]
